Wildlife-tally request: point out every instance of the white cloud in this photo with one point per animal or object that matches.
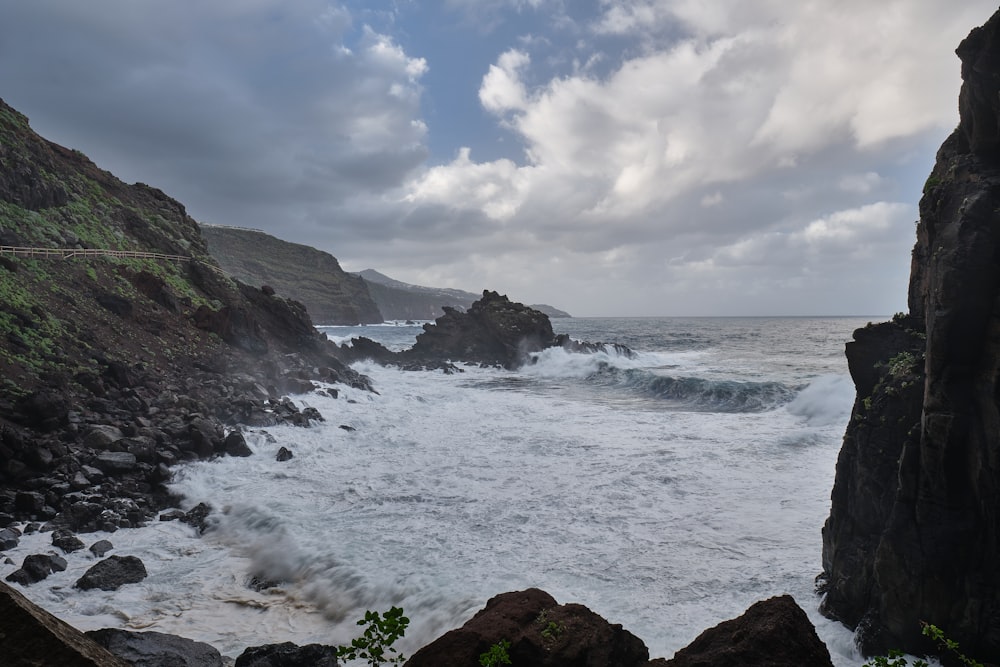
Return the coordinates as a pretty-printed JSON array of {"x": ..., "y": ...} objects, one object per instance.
[{"x": 502, "y": 89}]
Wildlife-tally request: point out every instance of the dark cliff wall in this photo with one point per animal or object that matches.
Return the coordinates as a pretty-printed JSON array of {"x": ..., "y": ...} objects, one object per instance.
[
  {"x": 300, "y": 272},
  {"x": 914, "y": 529}
]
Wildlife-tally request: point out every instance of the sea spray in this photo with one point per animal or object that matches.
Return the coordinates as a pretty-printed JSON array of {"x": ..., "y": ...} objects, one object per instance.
[{"x": 450, "y": 489}]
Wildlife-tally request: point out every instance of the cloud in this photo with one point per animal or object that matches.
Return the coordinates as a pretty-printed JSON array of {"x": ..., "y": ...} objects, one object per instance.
[
  {"x": 263, "y": 101},
  {"x": 642, "y": 156}
]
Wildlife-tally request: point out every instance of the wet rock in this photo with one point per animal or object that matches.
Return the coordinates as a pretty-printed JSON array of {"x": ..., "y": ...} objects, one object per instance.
[
  {"x": 9, "y": 538},
  {"x": 112, "y": 573},
  {"x": 102, "y": 436},
  {"x": 774, "y": 632},
  {"x": 101, "y": 547},
  {"x": 115, "y": 463},
  {"x": 29, "y": 502},
  {"x": 66, "y": 540},
  {"x": 37, "y": 567},
  {"x": 288, "y": 654},
  {"x": 198, "y": 517},
  {"x": 156, "y": 649},
  {"x": 284, "y": 454},
  {"x": 236, "y": 445},
  {"x": 541, "y": 632}
]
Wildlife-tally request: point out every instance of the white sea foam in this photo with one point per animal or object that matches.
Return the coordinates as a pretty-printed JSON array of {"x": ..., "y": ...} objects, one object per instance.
[{"x": 452, "y": 489}]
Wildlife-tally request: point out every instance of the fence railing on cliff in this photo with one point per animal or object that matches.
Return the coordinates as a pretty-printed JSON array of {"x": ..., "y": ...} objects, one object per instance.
[{"x": 68, "y": 253}]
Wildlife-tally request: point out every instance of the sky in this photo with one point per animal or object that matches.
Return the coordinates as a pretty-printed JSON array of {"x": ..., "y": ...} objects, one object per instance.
[{"x": 607, "y": 157}]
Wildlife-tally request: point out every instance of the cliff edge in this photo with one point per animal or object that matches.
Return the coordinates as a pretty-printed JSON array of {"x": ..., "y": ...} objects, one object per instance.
[{"x": 914, "y": 528}]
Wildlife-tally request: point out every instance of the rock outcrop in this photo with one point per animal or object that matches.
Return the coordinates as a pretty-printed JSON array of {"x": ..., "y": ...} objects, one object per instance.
[
  {"x": 494, "y": 331},
  {"x": 914, "y": 529},
  {"x": 773, "y": 632},
  {"x": 541, "y": 633}
]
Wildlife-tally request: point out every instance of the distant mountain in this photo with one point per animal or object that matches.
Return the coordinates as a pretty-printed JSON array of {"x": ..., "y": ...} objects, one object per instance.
[
  {"x": 402, "y": 301},
  {"x": 303, "y": 273}
]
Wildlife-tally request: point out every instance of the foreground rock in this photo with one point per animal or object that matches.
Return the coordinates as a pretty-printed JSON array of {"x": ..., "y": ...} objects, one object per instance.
[
  {"x": 112, "y": 573},
  {"x": 32, "y": 636},
  {"x": 288, "y": 654},
  {"x": 914, "y": 532},
  {"x": 541, "y": 632},
  {"x": 156, "y": 649},
  {"x": 773, "y": 632}
]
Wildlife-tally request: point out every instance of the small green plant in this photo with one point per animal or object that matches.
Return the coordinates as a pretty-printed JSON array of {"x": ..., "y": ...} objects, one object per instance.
[
  {"x": 496, "y": 655},
  {"x": 896, "y": 658},
  {"x": 375, "y": 645},
  {"x": 937, "y": 634},
  {"x": 550, "y": 630}
]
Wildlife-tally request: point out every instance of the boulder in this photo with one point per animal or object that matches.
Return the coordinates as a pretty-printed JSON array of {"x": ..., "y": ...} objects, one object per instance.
[
  {"x": 101, "y": 547},
  {"x": 288, "y": 654},
  {"x": 774, "y": 632},
  {"x": 66, "y": 540},
  {"x": 115, "y": 463},
  {"x": 236, "y": 445},
  {"x": 32, "y": 636},
  {"x": 156, "y": 649},
  {"x": 102, "y": 436},
  {"x": 112, "y": 573},
  {"x": 9, "y": 538},
  {"x": 37, "y": 567},
  {"x": 284, "y": 454},
  {"x": 541, "y": 632}
]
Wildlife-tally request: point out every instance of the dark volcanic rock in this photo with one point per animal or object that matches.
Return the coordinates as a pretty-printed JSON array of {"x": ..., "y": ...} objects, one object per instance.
[
  {"x": 288, "y": 654},
  {"x": 284, "y": 454},
  {"x": 37, "y": 567},
  {"x": 101, "y": 547},
  {"x": 542, "y": 633},
  {"x": 112, "y": 573},
  {"x": 156, "y": 649},
  {"x": 236, "y": 445},
  {"x": 494, "y": 331},
  {"x": 66, "y": 540},
  {"x": 914, "y": 528},
  {"x": 32, "y": 636},
  {"x": 773, "y": 632}
]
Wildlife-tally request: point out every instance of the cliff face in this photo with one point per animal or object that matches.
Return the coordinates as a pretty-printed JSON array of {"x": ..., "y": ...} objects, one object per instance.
[
  {"x": 297, "y": 271},
  {"x": 157, "y": 352},
  {"x": 914, "y": 529}
]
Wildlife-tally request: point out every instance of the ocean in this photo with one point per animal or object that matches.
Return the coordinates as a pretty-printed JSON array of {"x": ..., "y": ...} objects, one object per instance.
[{"x": 667, "y": 492}]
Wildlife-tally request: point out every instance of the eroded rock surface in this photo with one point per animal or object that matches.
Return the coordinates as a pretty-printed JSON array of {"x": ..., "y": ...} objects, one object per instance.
[{"x": 914, "y": 529}]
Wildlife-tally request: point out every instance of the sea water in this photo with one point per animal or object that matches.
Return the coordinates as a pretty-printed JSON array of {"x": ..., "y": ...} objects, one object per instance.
[{"x": 667, "y": 491}]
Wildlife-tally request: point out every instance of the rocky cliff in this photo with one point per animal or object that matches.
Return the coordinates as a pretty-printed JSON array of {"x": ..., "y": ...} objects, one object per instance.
[
  {"x": 914, "y": 529},
  {"x": 308, "y": 275},
  {"x": 116, "y": 363}
]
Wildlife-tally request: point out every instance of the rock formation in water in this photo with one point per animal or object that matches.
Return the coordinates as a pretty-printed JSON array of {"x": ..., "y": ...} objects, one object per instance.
[
  {"x": 914, "y": 529},
  {"x": 494, "y": 331}
]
